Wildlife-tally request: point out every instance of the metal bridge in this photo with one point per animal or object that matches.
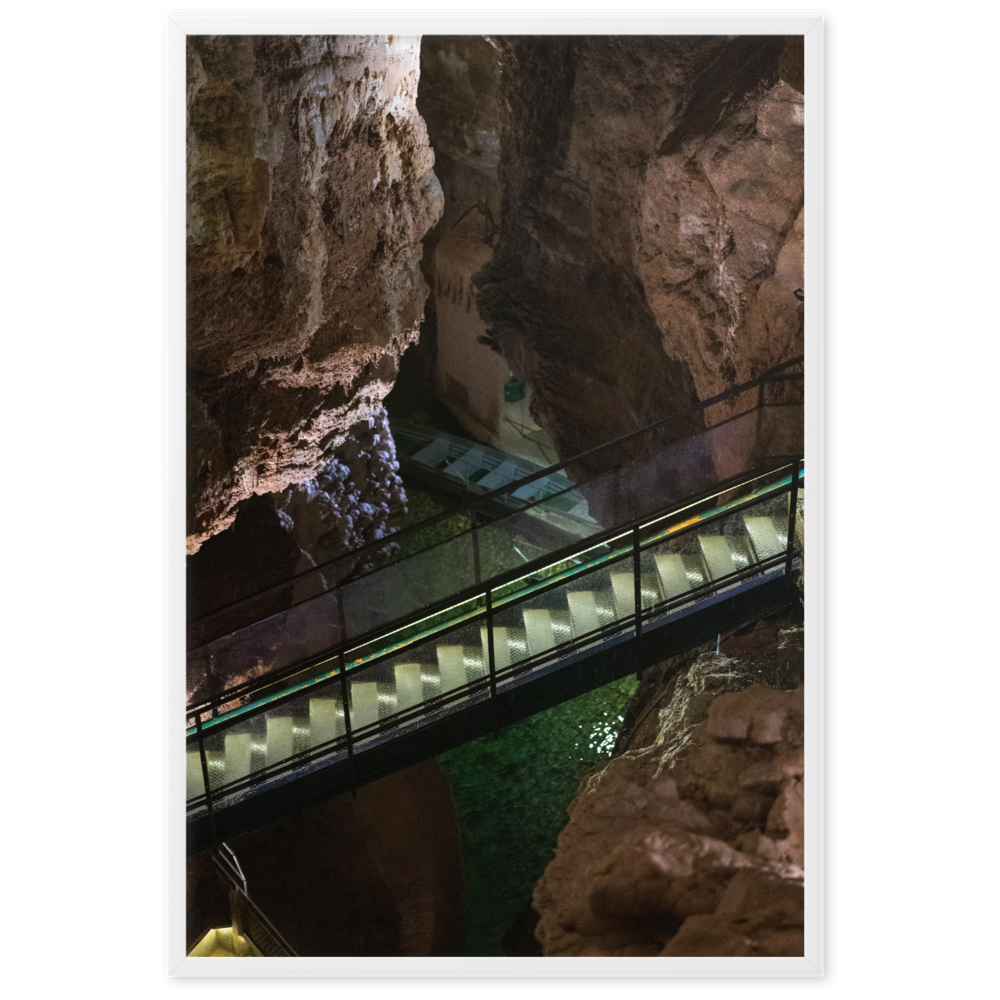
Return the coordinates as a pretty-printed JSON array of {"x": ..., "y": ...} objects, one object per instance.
[{"x": 410, "y": 660}]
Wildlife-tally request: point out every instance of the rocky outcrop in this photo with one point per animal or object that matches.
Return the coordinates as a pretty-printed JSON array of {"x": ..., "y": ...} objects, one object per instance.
[
  {"x": 310, "y": 187},
  {"x": 279, "y": 536},
  {"x": 347, "y": 505},
  {"x": 691, "y": 840},
  {"x": 650, "y": 239}
]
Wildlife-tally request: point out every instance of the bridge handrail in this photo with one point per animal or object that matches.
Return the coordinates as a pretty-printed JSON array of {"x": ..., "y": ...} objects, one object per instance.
[
  {"x": 278, "y": 678},
  {"x": 767, "y": 566}
]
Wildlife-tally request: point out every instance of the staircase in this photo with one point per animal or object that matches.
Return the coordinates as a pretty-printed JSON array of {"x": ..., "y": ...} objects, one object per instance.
[
  {"x": 456, "y": 465},
  {"x": 492, "y": 654}
]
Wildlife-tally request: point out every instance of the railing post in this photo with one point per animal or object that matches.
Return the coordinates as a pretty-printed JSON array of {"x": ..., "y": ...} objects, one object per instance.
[
  {"x": 475, "y": 547},
  {"x": 491, "y": 657},
  {"x": 341, "y": 619},
  {"x": 756, "y": 458},
  {"x": 637, "y": 580},
  {"x": 240, "y": 947},
  {"x": 211, "y": 685},
  {"x": 792, "y": 510},
  {"x": 347, "y": 724}
]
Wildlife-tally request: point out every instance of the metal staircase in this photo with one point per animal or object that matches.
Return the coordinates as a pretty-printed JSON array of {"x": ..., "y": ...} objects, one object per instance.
[
  {"x": 251, "y": 934},
  {"x": 462, "y": 467},
  {"x": 493, "y": 652}
]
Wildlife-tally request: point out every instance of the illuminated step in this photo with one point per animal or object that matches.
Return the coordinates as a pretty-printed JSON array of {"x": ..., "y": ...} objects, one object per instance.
[
  {"x": 517, "y": 640},
  {"x": 624, "y": 590},
  {"x": 409, "y": 686},
  {"x": 562, "y": 626},
  {"x": 280, "y": 740},
  {"x": 764, "y": 536},
  {"x": 364, "y": 703},
  {"x": 451, "y": 665},
  {"x": 538, "y": 626},
  {"x": 195, "y": 781},
  {"x": 430, "y": 680},
  {"x": 649, "y": 590},
  {"x": 326, "y": 720},
  {"x": 583, "y": 611},
  {"x": 258, "y": 743},
  {"x": 718, "y": 558},
  {"x": 216, "y": 761},
  {"x": 475, "y": 662},
  {"x": 509, "y": 646},
  {"x": 673, "y": 576},
  {"x": 237, "y": 756},
  {"x": 604, "y": 601},
  {"x": 501, "y": 646}
]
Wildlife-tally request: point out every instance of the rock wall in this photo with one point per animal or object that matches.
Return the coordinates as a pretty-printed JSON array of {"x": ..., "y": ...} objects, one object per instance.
[
  {"x": 459, "y": 101},
  {"x": 650, "y": 237},
  {"x": 310, "y": 187},
  {"x": 691, "y": 841}
]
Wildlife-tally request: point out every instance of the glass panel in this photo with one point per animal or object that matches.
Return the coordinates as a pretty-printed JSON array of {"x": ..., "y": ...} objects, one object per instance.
[
  {"x": 406, "y": 587},
  {"x": 781, "y": 430},
  {"x": 800, "y": 524},
  {"x": 194, "y": 774},
  {"x": 675, "y": 567},
  {"x": 583, "y": 603},
  {"x": 506, "y": 544},
  {"x": 786, "y": 391},
  {"x": 651, "y": 483},
  {"x": 423, "y": 673},
  {"x": 718, "y": 413},
  {"x": 265, "y": 647},
  {"x": 248, "y": 746},
  {"x": 688, "y": 564},
  {"x": 733, "y": 446}
]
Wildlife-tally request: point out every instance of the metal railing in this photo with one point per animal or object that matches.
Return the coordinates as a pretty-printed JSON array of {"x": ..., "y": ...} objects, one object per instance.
[
  {"x": 487, "y": 616},
  {"x": 248, "y": 920},
  {"x": 634, "y": 489}
]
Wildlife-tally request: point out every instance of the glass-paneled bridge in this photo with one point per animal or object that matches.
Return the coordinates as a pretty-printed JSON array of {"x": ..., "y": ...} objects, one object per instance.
[{"x": 684, "y": 537}]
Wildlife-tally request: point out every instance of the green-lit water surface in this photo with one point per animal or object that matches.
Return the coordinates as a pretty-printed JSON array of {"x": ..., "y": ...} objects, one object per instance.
[{"x": 511, "y": 794}]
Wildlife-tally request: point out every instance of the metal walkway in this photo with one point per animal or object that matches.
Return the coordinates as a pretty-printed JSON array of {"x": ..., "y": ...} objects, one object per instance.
[
  {"x": 461, "y": 467},
  {"x": 493, "y": 652}
]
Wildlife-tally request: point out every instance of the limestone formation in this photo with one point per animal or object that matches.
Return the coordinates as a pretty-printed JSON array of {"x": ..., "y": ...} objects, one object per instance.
[
  {"x": 310, "y": 187},
  {"x": 693, "y": 843},
  {"x": 650, "y": 239}
]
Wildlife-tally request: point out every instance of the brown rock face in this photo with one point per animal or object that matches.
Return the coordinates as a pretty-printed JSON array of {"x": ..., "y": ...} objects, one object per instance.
[
  {"x": 692, "y": 844},
  {"x": 459, "y": 101},
  {"x": 310, "y": 186},
  {"x": 650, "y": 240}
]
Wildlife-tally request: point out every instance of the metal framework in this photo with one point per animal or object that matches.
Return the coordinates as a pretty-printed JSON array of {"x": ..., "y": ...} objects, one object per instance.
[{"x": 657, "y": 625}]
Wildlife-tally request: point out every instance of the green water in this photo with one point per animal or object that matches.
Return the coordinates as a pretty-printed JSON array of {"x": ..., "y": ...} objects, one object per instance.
[{"x": 511, "y": 794}]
